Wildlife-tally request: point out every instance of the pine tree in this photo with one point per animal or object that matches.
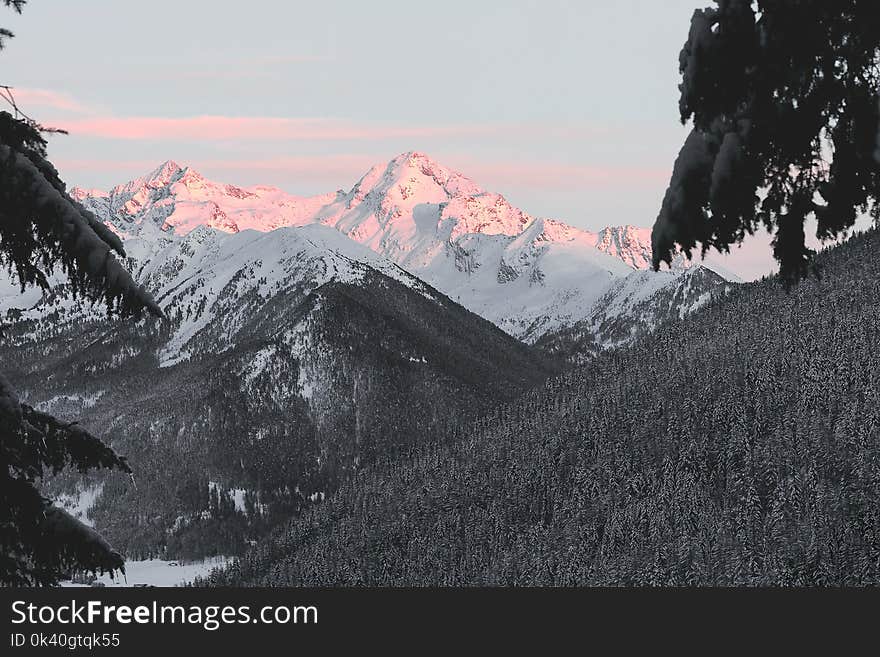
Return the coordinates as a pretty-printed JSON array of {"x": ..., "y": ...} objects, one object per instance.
[
  {"x": 43, "y": 229},
  {"x": 783, "y": 97}
]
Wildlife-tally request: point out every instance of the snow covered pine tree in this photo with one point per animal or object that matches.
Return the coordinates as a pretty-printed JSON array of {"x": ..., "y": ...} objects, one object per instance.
[
  {"x": 783, "y": 97},
  {"x": 41, "y": 228}
]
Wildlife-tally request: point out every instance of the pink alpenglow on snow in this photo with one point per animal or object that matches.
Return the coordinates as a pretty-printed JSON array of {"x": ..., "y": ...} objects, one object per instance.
[{"x": 527, "y": 274}]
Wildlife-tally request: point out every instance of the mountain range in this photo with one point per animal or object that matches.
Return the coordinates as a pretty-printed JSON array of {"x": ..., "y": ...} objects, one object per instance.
[
  {"x": 530, "y": 276},
  {"x": 307, "y": 338}
]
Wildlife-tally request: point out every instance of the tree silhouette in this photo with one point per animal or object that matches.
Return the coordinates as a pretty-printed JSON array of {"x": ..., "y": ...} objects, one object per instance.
[
  {"x": 42, "y": 229},
  {"x": 783, "y": 97}
]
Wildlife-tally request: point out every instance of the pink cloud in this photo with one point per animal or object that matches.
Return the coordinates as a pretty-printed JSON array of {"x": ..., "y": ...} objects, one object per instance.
[
  {"x": 101, "y": 164},
  {"x": 27, "y": 98},
  {"x": 219, "y": 128},
  {"x": 326, "y": 171},
  {"x": 99, "y": 123}
]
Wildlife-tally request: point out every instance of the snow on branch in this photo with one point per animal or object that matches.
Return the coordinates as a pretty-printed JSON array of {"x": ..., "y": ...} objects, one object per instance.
[{"x": 81, "y": 237}]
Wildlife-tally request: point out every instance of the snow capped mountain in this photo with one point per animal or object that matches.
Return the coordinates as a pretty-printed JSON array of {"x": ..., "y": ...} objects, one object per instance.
[
  {"x": 629, "y": 243},
  {"x": 234, "y": 277},
  {"x": 528, "y": 275},
  {"x": 178, "y": 199},
  {"x": 212, "y": 284},
  {"x": 395, "y": 206}
]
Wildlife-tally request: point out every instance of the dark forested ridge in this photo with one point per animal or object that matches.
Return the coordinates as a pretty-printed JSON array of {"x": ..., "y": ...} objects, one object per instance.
[
  {"x": 737, "y": 447},
  {"x": 228, "y": 443}
]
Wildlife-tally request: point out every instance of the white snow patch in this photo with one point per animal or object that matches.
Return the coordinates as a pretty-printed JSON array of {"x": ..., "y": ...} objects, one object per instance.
[
  {"x": 87, "y": 400},
  {"x": 156, "y": 572},
  {"x": 238, "y": 495},
  {"x": 259, "y": 362},
  {"x": 79, "y": 504}
]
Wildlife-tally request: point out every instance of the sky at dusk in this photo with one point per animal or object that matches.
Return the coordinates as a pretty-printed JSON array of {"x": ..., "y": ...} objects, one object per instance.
[{"x": 569, "y": 109}]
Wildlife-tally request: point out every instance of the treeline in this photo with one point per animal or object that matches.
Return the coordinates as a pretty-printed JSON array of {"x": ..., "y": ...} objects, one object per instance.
[{"x": 737, "y": 447}]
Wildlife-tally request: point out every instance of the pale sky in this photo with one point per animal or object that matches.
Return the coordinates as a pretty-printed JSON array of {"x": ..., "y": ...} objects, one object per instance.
[{"x": 569, "y": 109}]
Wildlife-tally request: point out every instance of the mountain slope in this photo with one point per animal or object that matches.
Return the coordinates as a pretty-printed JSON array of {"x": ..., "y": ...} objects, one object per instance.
[
  {"x": 628, "y": 243},
  {"x": 632, "y": 308},
  {"x": 289, "y": 360},
  {"x": 736, "y": 447},
  {"x": 530, "y": 276}
]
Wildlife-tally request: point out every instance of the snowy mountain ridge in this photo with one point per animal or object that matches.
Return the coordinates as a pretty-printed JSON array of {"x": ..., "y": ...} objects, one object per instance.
[
  {"x": 527, "y": 275},
  {"x": 211, "y": 283},
  {"x": 178, "y": 199}
]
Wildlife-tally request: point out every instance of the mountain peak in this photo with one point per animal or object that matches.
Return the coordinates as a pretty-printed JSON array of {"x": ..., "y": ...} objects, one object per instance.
[
  {"x": 177, "y": 198},
  {"x": 416, "y": 163},
  {"x": 415, "y": 195},
  {"x": 631, "y": 244},
  {"x": 419, "y": 160},
  {"x": 164, "y": 173},
  {"x": 626, "y": 232},
  {"x": 413, "y": 158}
]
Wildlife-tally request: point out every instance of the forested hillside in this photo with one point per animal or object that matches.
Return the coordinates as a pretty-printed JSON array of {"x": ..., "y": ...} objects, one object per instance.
[
  {"x": 738, "y": 446},
  {"x": 231, "y": 441}
]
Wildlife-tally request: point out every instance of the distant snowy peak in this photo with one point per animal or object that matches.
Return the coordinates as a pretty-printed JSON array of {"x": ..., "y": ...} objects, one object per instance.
[
  {"x": 81, "y": 194},
  {"x": 629, "y": 243},
  {"x": 165, "y": 174},
  {"x": 413, "y": 195},
  {"x": 179, "y": 199},
  {"x": 632, "y": 245},
  {"x": 415, "y": 174}
]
